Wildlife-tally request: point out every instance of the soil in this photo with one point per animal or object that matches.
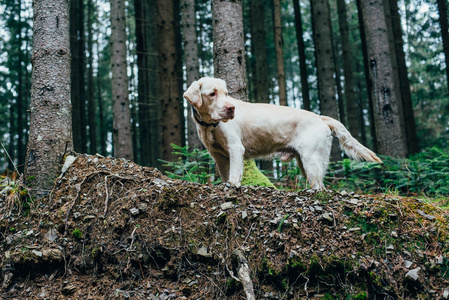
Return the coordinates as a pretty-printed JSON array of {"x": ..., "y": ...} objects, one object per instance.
[{"x": 111, "y": 229}]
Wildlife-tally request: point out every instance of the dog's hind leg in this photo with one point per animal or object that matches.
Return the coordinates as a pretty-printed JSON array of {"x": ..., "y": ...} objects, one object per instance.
[
  {"x": 315, "y": 169},
  {"x": 300, "y": 165},
  {"x": 314, "y": 159}
]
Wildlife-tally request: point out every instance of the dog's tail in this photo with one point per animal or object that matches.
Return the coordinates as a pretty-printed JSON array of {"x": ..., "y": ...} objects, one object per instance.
[{"x": 348, "y": 143}]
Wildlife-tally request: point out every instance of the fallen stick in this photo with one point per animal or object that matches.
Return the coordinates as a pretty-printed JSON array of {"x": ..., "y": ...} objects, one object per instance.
[{"x": 244, "y": 275}]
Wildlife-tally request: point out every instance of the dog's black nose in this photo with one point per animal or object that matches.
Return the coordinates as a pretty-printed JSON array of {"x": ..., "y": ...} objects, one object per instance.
[{"x": 230, "y": 108}]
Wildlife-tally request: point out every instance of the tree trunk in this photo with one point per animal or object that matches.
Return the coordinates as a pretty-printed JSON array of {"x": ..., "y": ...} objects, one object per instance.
[
  {"x": 259, "y": 60},
  {"x": 102, "y": 123},
  {"x": 168, "y": 85},
  {"x": 27, "y": 90},
  {"x": 77, "y": 75},
  {"x": 390, "y": 140},
  {"x": 92, "y": 122},
  {"x": 133, "y": 82},
  {"x": 21, "y": 65},
  {"x": 191, "y": 61},
  {"x": 229, "y": 51},
  {"x": 302, "y": 56},
  {"x": 259, "y": 49},
  {"x": 145, "y": 28},
  {"x": 404, "y": 83},
  {"x": 349, "y": 88},
  {"x": 122, "y": 136},
  {"x": 367, "y": 78},
  {"x": 279, "y": 45},
  {"x": 322, "y": 36},
  {"x": 442, "y": 9},
  {"x": 50, "y": 121},
  {"x": 394, "y": 65}
]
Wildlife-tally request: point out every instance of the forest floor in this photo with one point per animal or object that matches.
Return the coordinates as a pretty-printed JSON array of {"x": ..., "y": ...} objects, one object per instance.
[{"x": 111, "y": 229}]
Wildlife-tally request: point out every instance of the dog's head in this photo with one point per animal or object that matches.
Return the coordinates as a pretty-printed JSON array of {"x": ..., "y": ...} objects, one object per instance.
[{"x": 209, "y": 96}]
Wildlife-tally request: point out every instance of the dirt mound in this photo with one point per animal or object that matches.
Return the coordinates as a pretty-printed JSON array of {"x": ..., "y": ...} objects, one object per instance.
[{"x": 113, "y": 229}]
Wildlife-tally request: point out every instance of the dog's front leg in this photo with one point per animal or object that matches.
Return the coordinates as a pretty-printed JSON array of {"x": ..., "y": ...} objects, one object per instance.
[
  {"x": 222, "y": 163},
  {"x": 236, "y": 152}
]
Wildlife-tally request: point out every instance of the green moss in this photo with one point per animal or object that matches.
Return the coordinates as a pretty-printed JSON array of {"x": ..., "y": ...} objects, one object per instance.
[
  {"x": 268, "y": 273},
  {"x": 253, "y": 176},
  {"x": 315, "y": 268},
  {"x": 77, "y": 233},
  {"x": 360, "y": 296},
  {"x": 324, "y": 196}
]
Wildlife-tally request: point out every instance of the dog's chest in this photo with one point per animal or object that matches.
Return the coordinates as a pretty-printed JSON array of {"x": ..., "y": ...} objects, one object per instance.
[{"x": 214, "y": 140}]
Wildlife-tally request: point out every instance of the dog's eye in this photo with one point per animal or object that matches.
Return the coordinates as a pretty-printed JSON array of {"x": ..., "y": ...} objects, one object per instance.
[{"x": 212, "y": 94}]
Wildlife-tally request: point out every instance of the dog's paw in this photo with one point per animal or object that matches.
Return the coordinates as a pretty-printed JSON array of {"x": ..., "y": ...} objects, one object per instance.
[{"x": 236, "y": 184}]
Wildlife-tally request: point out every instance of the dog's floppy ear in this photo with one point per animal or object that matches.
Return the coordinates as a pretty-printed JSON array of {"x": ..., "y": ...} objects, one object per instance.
[{"x": 193, "y": 94}]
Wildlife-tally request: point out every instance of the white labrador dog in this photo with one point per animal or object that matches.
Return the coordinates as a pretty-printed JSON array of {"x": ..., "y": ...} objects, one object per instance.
[{"x": 233, "y": 130}]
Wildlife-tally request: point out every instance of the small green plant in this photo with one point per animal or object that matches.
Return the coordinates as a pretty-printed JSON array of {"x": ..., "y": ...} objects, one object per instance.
[
  {"x": 195, "y": 166},
  {"x": 17, "y": 196},
  {"x": 281, "y": 224},
  {"x": 77, "y": 234},
  {"x": 424, "y": 173}
]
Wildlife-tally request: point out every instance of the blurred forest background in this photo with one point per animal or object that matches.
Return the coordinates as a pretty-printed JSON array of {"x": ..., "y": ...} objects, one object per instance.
[{"x": 169, "y": 44}]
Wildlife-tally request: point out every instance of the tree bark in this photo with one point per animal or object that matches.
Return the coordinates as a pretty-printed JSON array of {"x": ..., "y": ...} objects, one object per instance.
[
  {"x": 259, "y": 49},
  {"x": 122, "y": 136},
  {"x": 50, "y": 121},
  {"x": 188, "y": 20},
  {"x": 229, "y": 51},
  {"x": 404, "y": 83},
  {"x": 390, "y": 140},
  {"x": 302, "y": 56},
  {"x": 77, "y": 75},
  {"x": 279, "y": 45},
  {"x": 324, "y": 53},
  {"x": 21, "y": 98},
  {"x": 92, "y": 122},
  {"x": 140, "y": 14},
  {"x": 102, "y": 123},
  {"x": 168, "y": 85},
  {"x": 340, "y": 99},
  {"x": 259, "y": 60},
  {"x": 349, "y": 87},
  {"x": 372, "y": 126},
  {"x": 146, "y": 67},
  {"x": 442, "y": 9}
]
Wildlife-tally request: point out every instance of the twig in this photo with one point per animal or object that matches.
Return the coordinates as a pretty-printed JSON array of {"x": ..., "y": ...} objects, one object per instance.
[
  {"x": 333, "y": 217},
  {"x": 132, "y": 238},
  {"x": 232, "y": 274},
  {"x": 141, "y": 271},
  {"x": 244, "y": 275},
  {"x": 107, "y": 196},
  {"x": 305, "y": 286}
]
